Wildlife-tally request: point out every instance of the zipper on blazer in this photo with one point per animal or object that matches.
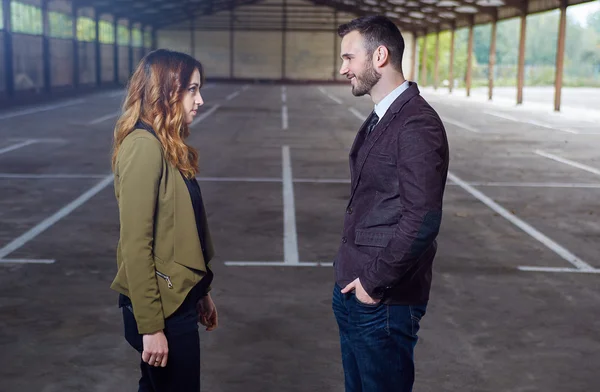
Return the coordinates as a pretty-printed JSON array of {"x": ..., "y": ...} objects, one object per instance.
[{"x": 165, "y": 277}]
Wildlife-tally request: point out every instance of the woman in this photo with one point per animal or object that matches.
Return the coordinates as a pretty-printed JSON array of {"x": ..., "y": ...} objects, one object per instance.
[{"x": 164, "y": 247}]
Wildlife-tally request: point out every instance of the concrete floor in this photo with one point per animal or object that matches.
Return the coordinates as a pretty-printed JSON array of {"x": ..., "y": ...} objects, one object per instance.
[
  {"x": 576, "y": 102},
  {"x": 490, "y": 326}
]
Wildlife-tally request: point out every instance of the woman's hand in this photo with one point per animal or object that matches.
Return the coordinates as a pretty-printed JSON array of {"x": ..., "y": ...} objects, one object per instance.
[
  {"x": 207, "y": 313},
  {"x": 156, "y": 349}
]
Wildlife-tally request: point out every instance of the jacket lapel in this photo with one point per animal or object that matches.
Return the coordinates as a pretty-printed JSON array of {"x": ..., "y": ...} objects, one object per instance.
[
  {"x": 368, "y": 144},
  {"x": 363, "y": 147},
  {"x": 356, "y": 147}
]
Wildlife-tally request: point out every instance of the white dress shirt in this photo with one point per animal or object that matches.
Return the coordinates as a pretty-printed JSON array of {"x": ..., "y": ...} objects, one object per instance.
[{"x": 382, "y": 107}]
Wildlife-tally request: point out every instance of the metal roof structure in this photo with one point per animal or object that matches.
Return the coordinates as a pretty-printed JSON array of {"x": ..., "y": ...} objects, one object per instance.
[
  {"x": 411, "y": 15},
  {"x": 432, "y": 15},
  {"x": 159, "y": 13}
]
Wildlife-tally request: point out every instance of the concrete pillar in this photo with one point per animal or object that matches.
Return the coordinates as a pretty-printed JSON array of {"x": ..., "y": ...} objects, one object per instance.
[
  {"x": 412, "y": 69},
  {"x": 116, "y": 49},
  {"x": 451, "y": 71},
  {"x": 492, "y": 57},
  {"x": 436, "y": 78},
  {"x": 521, "y": 66},
  {"x": 469, "y": 76},
  {"x": 560, "y": 55},
  {"x": 130, "y": 25},
  {"x": 75, "y": 48},
  {"x": 423, "y": 75},
  {"x": 231, "y": 38},
  {"x": 46, "y": 47},
  {"x": 98, "y": 51}
]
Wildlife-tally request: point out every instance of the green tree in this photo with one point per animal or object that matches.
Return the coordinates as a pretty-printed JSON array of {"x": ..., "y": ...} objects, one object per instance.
[
  {"x": 460, "y": 56},
  {"x": 542, "y": 39},
  {"x": 507, "y": 42},
  {"x": 593, "y": 21},
  {"x": 582, "y": 52},
  {"x": 482, "y": 37}
]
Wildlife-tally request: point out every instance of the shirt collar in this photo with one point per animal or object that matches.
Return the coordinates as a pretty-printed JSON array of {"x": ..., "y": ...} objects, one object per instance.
[{"x": 382, "y": 107}]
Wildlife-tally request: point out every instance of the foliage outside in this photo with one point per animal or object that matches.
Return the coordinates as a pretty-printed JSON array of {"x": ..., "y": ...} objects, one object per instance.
[{"x": 582, "y": 53}]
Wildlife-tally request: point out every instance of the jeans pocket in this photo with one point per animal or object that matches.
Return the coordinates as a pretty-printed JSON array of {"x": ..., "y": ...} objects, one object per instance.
[
  {"x": 416, "y": 314},
  {"x": 359, "y": 302}
]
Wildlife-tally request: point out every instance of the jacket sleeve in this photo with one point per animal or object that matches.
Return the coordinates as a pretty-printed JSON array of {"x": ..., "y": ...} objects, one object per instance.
[
  {"x": 139, "y": 172},
  {"x": 422, "y": 169}
]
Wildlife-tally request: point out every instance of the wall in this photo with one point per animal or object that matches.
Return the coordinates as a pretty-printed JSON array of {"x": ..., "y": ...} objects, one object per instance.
[{"x": 258, "y": 48}]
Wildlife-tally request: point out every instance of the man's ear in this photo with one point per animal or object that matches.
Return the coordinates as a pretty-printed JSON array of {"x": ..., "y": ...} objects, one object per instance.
[{"x": 381, "y": 55}]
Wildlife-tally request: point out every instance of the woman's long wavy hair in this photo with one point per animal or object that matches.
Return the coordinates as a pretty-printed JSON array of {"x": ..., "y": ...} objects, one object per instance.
[{"x": 154, "y": 96}]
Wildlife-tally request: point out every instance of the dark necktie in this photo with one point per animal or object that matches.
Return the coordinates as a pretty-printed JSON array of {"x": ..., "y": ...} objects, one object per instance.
[{"x": 372, "y": 122}]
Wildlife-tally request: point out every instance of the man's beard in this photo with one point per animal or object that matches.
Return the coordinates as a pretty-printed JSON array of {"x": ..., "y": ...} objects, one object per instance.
[{"x": 366, "y": 81}]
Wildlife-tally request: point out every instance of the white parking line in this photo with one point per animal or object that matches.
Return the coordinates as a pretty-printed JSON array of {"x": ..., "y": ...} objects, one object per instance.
[
  {"x": 205, "y": 115},
  {"x": 333, "y": 98},
  {"x": 38, "y": 109},
  {"x": 48, "y": 222},
  {"x": 233, "y": 95},
  {"x": 17, "y": 146},
  {"x": 358, "y": 114},
  {"x": 284, "y": 109},
  {"x": 284, "y": 117},
  {"x": 290, "y": 237},
  {"x": 533, "y": 184},
  {"x": 49, "y": 176},
  {"x": 216, "y": 107},
  {"x": 323, "y": 180},
  {"x": 460, "y": 125},
  {"x": 26, "y": 261},
  {"x": 527, "y": 121},
  {"x": 278, "y": 264},
  {"x": 568, "y": 162},
  {"x": 40, "y": 140},
  {"x": 67, "y": 176},
  {"x": 104, "y": 118},
  {"x": 239, "y": 179},
  {"x": 552, "y": 269},
  {"x": 550, "y": 244},
  {"x": 548, "y": 126},
  {"x": 501, "y": 115},
  {"x": 538, "y": 124}
]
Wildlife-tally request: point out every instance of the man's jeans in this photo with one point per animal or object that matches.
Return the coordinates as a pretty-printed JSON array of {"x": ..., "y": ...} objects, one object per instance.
[{"x": 377, "y": 343}]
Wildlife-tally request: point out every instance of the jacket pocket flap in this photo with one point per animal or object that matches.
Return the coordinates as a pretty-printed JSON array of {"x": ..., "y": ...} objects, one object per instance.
[
  {"x": 373, "y": 237},
  {"x": 382, "y": 157}
]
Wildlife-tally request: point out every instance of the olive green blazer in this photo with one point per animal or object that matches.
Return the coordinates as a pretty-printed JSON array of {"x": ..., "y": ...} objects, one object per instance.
[{"x": 159, "y": 255}]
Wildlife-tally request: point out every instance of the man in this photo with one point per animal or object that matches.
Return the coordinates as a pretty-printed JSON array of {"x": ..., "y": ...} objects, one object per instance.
[{"x": 398, "y": 163}]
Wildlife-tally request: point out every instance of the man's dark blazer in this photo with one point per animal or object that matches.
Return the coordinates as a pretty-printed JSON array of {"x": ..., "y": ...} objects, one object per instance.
[{"x": 395, "y": 209}]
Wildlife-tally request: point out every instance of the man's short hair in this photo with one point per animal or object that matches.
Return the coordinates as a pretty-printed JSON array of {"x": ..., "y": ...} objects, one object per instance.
[{"x": 378, "y": 30}]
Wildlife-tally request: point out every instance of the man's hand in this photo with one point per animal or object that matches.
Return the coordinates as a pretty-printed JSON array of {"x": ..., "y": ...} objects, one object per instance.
[
  {"x": 207, "y": 313},
  {"x": 156, "y": 349},
  {"x": 360, "y": 292}
]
